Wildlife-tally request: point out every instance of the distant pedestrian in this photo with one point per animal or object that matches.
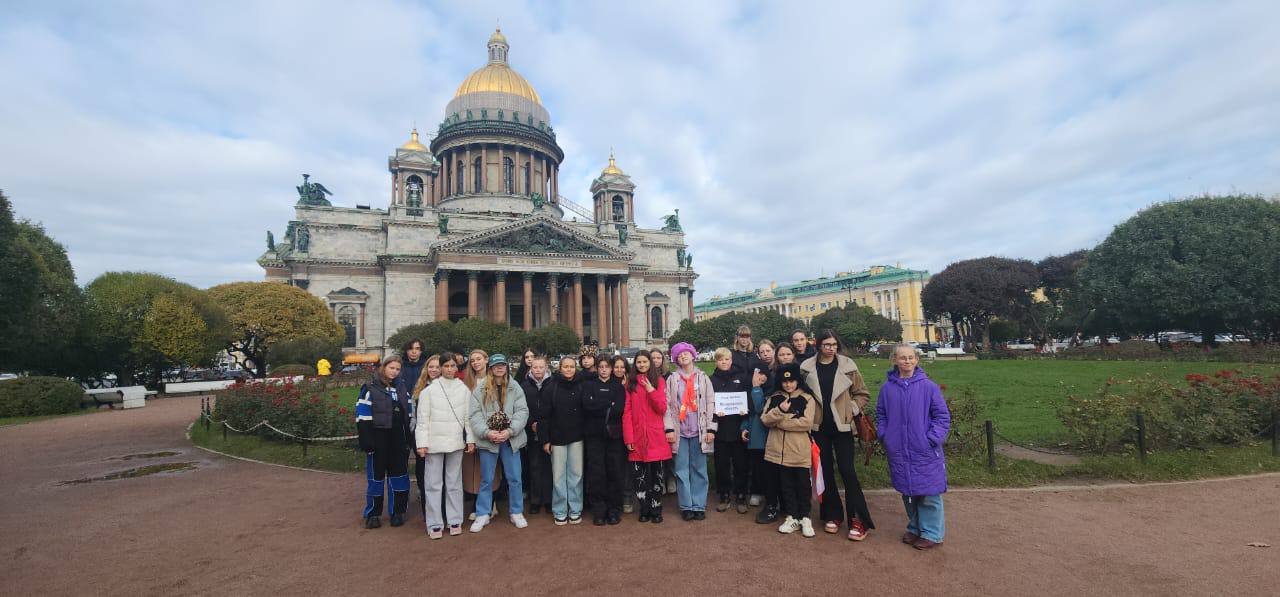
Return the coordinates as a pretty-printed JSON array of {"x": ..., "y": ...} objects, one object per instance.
[{"x": 913, "y": 422}]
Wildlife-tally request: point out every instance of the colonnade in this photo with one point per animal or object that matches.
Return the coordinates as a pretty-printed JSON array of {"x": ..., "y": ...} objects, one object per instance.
[{"x": 544, "y": 298}]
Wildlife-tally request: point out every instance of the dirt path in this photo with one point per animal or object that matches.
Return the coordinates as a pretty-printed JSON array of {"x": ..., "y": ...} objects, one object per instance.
[{"x": 228, "y": 527}]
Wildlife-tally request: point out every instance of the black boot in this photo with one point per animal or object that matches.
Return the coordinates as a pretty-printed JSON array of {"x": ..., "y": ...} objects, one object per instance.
[
  {"x": 372, "y": 522},
  {"x": 768, "y": 514}
]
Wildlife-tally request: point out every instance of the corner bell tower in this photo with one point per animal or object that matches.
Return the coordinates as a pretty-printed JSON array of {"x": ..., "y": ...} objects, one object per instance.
[
  {"x": 413, "y": 175},
  {"x": 614, "y": 196}
]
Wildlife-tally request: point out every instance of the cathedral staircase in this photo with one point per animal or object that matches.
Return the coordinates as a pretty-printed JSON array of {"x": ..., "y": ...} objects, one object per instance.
[{"x": 581, "y": 211}]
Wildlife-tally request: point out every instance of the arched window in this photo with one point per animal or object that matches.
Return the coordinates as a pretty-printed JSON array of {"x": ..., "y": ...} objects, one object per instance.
[
  {"x": 655, "y": 322},
  {"x": 508, "y": 176},
  {"x": 460, "y": 188},
  {"x": 619, "y": 210},
  {"x": 528, "y": 179},
  {"x": 413, "y": 191},
  {"x": 347, "y": 318},
  {"x": 475, "y": 174}
]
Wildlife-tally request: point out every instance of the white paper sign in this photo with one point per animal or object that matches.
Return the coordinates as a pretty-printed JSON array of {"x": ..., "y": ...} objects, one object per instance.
[{"x": 731, "y": 403}]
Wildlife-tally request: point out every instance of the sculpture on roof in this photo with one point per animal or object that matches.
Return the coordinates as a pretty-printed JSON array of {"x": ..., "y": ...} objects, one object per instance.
[
  {"x": 538, "y": 200},
  {"x": 443, "y": 222},
  {"x": 271, "y": 241},
  {"x": 312, "y": 193},
  {"x": 622, "y": 234},
  {"x": 672, "y": 222}
]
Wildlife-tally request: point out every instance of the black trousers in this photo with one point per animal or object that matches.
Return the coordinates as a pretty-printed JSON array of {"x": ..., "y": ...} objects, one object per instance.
[
  {"x": 794, "y": 489},
  {"x": 650, "y": 483},
  {"x": 764, "y": 477},
  {"x": 733, "y": 470},
  {"x": 537, "y": 474},
  {"x": 388, "y": 464},
  {"x": 606, "y": 466},
  {"x": 419, "y": 471},
  {"x": 838, "y": 454}
]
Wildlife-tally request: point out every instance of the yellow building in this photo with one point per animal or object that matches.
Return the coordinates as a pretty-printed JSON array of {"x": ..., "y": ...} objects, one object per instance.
[{"x": 893, "y": 292}]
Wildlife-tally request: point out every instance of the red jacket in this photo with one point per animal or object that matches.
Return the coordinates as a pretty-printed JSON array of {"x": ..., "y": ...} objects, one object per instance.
[{"x": 642, "y": 423}]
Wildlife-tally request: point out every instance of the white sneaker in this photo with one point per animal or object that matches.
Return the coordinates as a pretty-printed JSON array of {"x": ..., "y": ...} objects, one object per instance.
[
  {"x": 790, "y": 525},
  {"x": 755, "y": 500},
  {"x": 806, "y": 527},
  {"x": 519, "y": 521},
  {"x": 479, "y": 524},
  {"x": 472, "y": 515}
]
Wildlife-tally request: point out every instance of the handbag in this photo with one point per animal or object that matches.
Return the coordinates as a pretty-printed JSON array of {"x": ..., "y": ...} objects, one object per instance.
[{"x": 866, "y": 431}]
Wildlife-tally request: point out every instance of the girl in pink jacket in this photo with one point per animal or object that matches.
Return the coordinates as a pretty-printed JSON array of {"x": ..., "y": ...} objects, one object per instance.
[{"x": 644, "y": 435}]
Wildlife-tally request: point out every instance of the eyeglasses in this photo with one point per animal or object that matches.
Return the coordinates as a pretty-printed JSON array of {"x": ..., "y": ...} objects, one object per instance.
[{"x": 829, "y": 345}]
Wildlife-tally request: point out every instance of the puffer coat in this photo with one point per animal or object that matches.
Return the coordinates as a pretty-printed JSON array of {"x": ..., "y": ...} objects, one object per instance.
[
  {"x": 913, "y": 421},
  {"x": 642, "y": 423}
]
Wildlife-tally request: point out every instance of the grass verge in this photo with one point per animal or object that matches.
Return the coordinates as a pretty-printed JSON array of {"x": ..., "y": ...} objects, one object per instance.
[{"x": 7, "y": 421}]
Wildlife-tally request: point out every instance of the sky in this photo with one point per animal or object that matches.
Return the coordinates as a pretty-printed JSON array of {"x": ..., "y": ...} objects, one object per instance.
[{"x": 797, "y": 139}]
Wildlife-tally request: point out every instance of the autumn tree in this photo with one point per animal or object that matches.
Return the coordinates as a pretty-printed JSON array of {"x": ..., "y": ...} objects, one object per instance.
[
  {"x": 264, "y": 313},
  {"x": 142, "y": 323}
]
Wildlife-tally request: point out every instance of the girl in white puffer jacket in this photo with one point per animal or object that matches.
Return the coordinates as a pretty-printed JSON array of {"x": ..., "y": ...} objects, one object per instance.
[{"x": 442, "y": 437}]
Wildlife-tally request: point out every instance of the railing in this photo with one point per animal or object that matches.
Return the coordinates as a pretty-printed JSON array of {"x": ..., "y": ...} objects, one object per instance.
[{"x": 581, "y": 211}]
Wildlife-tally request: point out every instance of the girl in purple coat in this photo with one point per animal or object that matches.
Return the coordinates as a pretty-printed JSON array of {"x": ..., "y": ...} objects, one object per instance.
[{"x": 913, "y": 421}]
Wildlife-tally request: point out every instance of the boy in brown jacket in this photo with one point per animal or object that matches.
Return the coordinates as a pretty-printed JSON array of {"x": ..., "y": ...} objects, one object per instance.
[{"x": 789, "y": 414}]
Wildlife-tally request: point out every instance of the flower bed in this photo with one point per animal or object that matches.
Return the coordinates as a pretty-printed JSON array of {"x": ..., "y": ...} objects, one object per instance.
[{"x": 307, "y": 408}]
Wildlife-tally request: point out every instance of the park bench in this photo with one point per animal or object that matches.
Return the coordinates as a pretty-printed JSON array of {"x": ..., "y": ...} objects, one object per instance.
[
  {"x": 128, "y": 397},
  {"x": 948, "y": 353}
]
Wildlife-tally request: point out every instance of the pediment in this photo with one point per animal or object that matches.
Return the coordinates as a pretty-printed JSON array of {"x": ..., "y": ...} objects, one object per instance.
[{"x": 539, "y": 235}]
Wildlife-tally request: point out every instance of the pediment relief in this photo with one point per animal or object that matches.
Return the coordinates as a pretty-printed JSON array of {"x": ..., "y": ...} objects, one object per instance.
[{"x": 540, "y": 235}]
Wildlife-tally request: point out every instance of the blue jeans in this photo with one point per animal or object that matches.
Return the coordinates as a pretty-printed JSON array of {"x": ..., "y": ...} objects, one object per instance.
[
  {"x": 511, "y": 468},
  {"x": 566, "y": 480},
  {"x": 691, "y": 475},
  {"x": 924, "y": 516}
]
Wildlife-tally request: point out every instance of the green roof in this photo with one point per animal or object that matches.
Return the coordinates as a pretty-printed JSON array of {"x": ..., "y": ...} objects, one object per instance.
[{"x": 810, "y": 287}]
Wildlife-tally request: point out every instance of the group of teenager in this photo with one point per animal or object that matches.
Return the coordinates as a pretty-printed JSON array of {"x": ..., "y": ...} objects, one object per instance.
[{"x": 591, "y": 434}]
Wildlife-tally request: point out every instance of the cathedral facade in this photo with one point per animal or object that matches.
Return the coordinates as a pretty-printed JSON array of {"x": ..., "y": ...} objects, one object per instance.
[{"x": 475, "y": 226}]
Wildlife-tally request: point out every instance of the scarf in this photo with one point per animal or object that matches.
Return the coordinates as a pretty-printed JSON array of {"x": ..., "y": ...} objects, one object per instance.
[{"x": 689, "y": 401}]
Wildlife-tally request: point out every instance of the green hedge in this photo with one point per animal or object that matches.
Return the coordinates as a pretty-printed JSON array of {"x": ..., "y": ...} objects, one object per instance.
[
  {"x": 292, "y": 370},
  {"x": 34, "y": 396}
]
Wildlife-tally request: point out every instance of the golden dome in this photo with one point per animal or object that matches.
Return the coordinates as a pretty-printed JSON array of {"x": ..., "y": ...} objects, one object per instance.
[
  {"x": 497, "y": 76},
  {"x": 498, "y": 36},
  {"x": 413, "y": 143},
  {"x": 612, "y": 168}
]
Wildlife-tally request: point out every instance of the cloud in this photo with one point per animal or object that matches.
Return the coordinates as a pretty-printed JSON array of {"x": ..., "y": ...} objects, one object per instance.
[{"x": 796, "y": 140}]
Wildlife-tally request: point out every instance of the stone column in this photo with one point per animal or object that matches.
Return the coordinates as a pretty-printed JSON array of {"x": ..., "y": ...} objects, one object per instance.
[
  {"x": 624, "y": 335},
  {"x": 615, "y": 313},
  {"x": 500, "y": 287},
  {"x": 577, "y": 304},
  {"x": 528, "y": 301},
  {"x": 553, "y": 291},
  {"x": 690, "y": 295},
  {"x": 442, "y": 294},
  {"x": 473, "y": 294},
  {"x": 502, "y": 170},
  {"x": 484, "y": 168},
  {"x": 469, "y": 178},
  {"x": 602, "y": 312},
  {"x": 555, "y": 183}
]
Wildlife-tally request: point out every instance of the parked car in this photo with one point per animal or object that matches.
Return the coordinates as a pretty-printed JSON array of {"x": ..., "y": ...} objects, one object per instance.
[{"x": 8, "y": 376}]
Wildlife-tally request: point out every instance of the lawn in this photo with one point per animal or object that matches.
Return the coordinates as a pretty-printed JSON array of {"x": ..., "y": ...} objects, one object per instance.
[{"x": 6, "y": 421}]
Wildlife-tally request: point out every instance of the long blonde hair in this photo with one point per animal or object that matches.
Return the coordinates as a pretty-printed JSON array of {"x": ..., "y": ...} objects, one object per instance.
[
  {"x": 471, "y": 378},
  {"x": 495, "y": 390},
  {"x": 737, "y": 338},
  {"x": 424, "y": 379}
]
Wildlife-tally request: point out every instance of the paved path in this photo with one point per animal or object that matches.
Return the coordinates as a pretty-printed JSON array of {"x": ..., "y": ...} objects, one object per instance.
[{"x": 229, "y": 527}]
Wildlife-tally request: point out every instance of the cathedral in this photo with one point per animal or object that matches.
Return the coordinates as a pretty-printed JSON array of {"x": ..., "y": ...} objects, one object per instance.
[{"x": 475, "y": 226}]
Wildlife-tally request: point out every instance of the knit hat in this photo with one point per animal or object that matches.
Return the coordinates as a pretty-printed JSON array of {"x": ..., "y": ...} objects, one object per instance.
[
  {"x": 682, "y": 347},
  {"x": 497, "y": 359},
  {"x": 789, "y": 372}
]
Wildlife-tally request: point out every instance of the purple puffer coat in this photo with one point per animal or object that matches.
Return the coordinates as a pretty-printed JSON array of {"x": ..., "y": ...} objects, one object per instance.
[{"x": 912, "y": 419}]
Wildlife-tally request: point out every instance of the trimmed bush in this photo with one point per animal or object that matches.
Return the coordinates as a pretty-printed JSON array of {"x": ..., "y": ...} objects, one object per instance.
[
  {"x": 306, "y": 351},
  {"x": 34, "y": 396},
  {"x": 292, "y": 370}
]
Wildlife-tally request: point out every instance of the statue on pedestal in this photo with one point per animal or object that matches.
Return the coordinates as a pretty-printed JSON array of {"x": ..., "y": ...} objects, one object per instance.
[
  {"x": 672, "y": 222},
  {"x": 271, "y": 241},
  {"x": 443, "y": 223},
  {"x": 680, "y": 257},
  {"x": 538, "y": 201},
  {"x": 303, "y": 239},
  {"x": 622, "y": 234},
  {"x": 688, "y": 260}
]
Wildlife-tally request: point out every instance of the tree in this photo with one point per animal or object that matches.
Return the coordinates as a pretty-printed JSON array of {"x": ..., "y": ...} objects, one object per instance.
[
  {"x": 554, "y": 339},
  {"x": 436, "y": 337},
  {"x": 41, "y": 307},
  {"x": 720, "y": 331},
  {"x": 1059, "y": 313},
  {"x": 858, "y": 325},
  {"x": 264, "y": 313},
  {"x": 973, "y": 291},
  {"x": 306, "y": 350},
  {"x": 141, "y": 324},
  {"x": 1209, "y": 264}
]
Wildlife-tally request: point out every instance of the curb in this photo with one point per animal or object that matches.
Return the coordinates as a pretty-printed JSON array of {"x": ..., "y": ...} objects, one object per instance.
[{"x": 242, "y": 458}]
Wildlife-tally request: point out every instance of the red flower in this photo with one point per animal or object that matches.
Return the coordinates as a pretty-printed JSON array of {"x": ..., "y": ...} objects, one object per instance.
[
  {"x": 1197, "y": 378},
  {"x": 342, "y": 411}
]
